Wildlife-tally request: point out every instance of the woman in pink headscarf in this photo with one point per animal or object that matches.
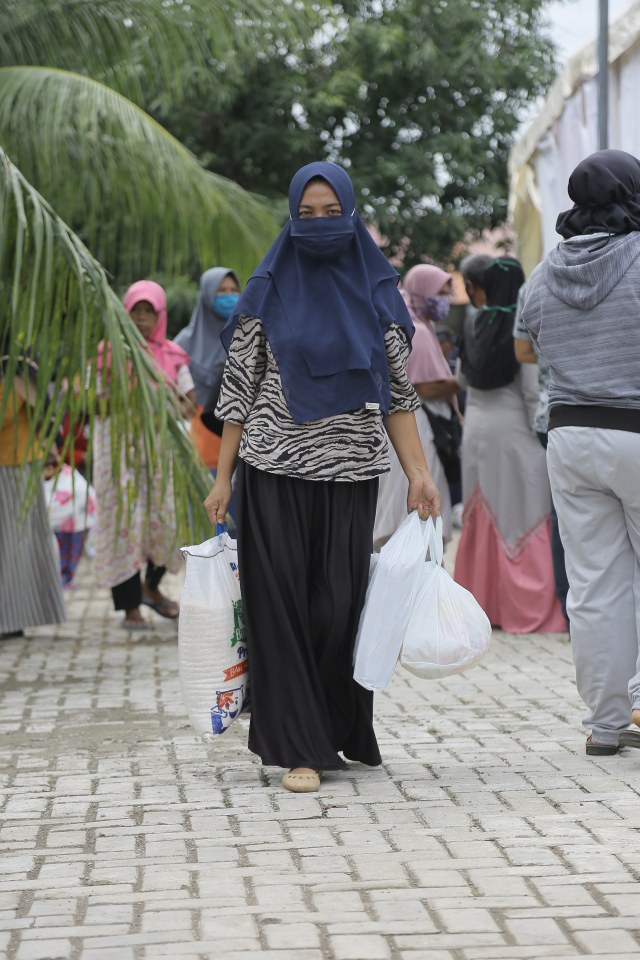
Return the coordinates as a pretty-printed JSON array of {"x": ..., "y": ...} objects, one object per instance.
[
  {"x": 125, "y": 543},
  {"x": 426, "y": 290}
]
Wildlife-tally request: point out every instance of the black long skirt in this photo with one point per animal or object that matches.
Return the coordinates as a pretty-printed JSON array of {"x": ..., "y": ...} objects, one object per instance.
[{"x": 304, "y": 549}]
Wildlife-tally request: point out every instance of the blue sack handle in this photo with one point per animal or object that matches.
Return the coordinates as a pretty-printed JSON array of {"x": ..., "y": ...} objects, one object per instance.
[{"x": 220, "y": 528}]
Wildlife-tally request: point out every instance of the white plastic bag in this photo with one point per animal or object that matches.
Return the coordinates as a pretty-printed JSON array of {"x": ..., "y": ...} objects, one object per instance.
[
  {"x": 448, "y": 631},
  {"x": 214, "y": 670},
  {"x": 387, "y": 606},
  {"x": 71, "y": 501}
]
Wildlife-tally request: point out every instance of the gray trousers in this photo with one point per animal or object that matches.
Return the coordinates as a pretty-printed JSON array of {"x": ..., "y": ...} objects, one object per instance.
[{"x": 595, "y": 481}]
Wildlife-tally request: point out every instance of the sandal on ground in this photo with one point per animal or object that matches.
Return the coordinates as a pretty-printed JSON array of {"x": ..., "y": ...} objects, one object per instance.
[
  {"x": 135, "y": 624},
  {"x": 595, "y": 749},
  {"x": 164, "y": 608},
  {"x": 301, "y": 782},
  {"x": 629, "y": 737}
]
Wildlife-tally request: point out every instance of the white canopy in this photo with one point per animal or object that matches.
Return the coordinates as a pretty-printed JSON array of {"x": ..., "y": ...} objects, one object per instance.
[{"x": 566, "y": 130}]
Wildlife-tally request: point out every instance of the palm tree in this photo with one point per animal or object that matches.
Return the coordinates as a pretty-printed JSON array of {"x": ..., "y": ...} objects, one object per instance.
[
  {"x": 71, "y": 74},
  {"x": 82, "y": 167},
  {"x": 139, "y": 200},
  {"x": 57, "y": 297}
]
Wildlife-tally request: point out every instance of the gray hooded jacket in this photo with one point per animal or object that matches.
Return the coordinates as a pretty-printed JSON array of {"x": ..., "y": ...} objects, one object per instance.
[{"x": 582, "y": 308}]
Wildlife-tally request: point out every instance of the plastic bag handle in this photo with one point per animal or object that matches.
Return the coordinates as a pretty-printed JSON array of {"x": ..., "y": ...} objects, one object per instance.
[
  {"x": 433, "y": 536},
  {"x": 426, "y": 527},
  {"x": 433, "y": 545},
  {"x": 220, "y": 528}
]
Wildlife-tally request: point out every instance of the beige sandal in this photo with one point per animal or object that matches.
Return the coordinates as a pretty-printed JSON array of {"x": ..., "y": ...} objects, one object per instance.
[{"x": 307, "y": 782}]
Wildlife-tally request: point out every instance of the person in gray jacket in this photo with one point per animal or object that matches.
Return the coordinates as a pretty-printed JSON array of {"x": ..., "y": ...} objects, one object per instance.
[{"x": 583, "y": 310}]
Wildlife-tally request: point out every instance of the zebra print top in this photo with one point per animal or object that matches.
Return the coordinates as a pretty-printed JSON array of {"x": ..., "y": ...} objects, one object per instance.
[{"x": 349, "y": 446}]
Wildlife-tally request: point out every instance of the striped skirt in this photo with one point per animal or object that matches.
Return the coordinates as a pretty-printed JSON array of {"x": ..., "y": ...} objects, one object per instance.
[{"x": 30, "y": 587}]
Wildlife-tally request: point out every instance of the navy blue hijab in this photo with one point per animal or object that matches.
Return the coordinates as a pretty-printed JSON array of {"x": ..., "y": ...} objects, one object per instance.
[{"x": 326, "y": 295}]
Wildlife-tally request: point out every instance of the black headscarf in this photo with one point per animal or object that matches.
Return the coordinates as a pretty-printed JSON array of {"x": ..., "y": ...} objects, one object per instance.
[
  {"x": 605, "y": 189},
  {"x": 486, "y": 343},
  {"x": 503, "y": 278}
]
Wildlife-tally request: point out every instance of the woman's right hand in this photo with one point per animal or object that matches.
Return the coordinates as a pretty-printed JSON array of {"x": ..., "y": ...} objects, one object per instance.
[{"x": 217, "y": 502}]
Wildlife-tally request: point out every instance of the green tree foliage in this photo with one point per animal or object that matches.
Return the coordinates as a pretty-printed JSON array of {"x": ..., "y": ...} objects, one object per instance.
[
  {"x": 56, "y": 305},
  {"x": 139, "y": 199},
  {"x": 419, "y": 99},
  {"x": 82, "y": 163},
  {"x": 136, "y": 46}
]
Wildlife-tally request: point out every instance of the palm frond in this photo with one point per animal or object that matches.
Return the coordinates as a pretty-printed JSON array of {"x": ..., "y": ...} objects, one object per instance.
[
  {"x": 138, "y": 198},
  {"x": 98, "y": 37},
  {"x": 56, "y": 302}
]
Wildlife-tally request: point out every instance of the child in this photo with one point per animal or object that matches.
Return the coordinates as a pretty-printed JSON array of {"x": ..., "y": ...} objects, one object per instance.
[{"x": 71, "y": 503}]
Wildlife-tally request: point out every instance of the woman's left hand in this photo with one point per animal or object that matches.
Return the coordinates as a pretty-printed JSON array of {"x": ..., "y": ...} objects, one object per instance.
[{"x": 423, "y": 496}]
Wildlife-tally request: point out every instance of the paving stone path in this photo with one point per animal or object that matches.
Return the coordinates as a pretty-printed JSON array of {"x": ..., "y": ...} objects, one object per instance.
[{"x": 486, "y": 835}]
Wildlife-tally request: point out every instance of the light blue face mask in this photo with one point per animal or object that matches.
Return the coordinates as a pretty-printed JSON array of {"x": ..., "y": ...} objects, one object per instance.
[{"x": 224, "y": 304}]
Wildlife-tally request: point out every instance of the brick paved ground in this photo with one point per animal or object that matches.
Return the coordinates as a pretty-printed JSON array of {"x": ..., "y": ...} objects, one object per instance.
[{"x": 487, "y": 834}]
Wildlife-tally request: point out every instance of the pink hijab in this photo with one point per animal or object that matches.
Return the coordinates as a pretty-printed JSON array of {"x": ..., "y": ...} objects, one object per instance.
[
  {"x": 167, "y": 354},
  {"x": 426, "y": 363}
]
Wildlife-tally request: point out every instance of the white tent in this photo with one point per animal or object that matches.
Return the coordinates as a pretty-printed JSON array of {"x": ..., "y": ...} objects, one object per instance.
[{"x": 566, "y": 130}]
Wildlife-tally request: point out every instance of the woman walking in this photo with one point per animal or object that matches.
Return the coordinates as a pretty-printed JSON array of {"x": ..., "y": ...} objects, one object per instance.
[
  {"x": 318, "y": 347},
  {"x": 582, "y": 309},
  {"x": 218, "y": 296},
  {"x": 504, "y": 554},
  {"x": 30, "y": 588},
  {"x": 426, "y": 290},
  {"x": 125, "y": 544}
]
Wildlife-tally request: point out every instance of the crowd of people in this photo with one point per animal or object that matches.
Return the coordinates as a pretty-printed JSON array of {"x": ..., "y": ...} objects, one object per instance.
[{"x": 327, "y": 400}]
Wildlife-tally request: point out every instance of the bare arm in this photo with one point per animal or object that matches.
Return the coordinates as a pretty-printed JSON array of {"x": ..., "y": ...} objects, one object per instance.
[
  {"x": 217, "y": 502},
  {"x": 524, "y": 351},
  {"x": 530, "y": 387},
  {"x": 423, "y": 494},
  {"x": 436, "y": 389},
  {"x": 187, "y": 403}
]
